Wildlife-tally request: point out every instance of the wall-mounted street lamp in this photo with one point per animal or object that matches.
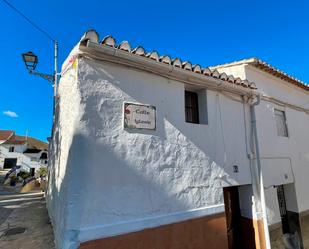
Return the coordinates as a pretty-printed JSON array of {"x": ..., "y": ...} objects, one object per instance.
[{"x": 31, "y": 60}]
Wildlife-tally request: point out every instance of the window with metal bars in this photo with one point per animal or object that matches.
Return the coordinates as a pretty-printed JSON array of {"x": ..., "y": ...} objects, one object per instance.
[
  {"x": 282, "y": 129},
  {"x": 191, "y": 107}
]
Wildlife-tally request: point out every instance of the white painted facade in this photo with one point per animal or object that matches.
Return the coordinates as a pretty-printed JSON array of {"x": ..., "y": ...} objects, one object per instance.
[
  {"x": 284, "y": 159},
  {"x": 25, "y": 160},
  {"x": 106, "y": 180}
]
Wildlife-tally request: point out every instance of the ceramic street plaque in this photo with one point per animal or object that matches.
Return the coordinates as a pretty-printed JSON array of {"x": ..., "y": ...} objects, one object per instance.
[{"x": 139, "y": 116}]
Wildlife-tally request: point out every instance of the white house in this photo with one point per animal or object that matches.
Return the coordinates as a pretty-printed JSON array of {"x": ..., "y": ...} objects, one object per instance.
[
  {"x": 21, "y": 151},
  {"x": 153, "y": 152},
  {"x": 282, "y": 124}
]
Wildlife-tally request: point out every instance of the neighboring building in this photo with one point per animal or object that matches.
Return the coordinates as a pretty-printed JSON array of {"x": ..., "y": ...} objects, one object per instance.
[
  {"x": 150, "y": 152},
  {"x": 24, "y": 151},
  {"x": 282, "y": 122}
]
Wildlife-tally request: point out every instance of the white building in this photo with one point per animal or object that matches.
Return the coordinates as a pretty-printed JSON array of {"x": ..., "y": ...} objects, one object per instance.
[
  {"x": 283, "y": 121},
  {"x": 147, "y": 152},
  {"x": 21, "y": 151}
]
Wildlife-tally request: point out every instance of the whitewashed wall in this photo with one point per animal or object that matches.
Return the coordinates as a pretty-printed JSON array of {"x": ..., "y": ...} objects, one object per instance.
[
  {"x": 22, "y": 159},
  {"x": 294, "y": 150},
  {"x": 18, "y": 148},
  {"x": 280, "y": 155},
  {"x": 106, "y": 180}
]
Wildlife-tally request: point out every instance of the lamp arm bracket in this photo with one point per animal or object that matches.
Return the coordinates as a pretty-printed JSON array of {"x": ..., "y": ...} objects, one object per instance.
[{"x": 48, "y": 77}]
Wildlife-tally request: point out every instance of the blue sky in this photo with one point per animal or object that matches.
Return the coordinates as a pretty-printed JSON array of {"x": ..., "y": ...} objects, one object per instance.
[{"x": 203, "y": 32}]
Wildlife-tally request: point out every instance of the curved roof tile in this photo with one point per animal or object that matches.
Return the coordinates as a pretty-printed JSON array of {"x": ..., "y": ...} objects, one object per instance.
[
  {"x": 109, "y": 41},
  {"x": 153, "y": 55},
  {"x": 237, "y": 81},
  {"x": 139, "y": 51},
  {"x": 125, "y": 45},
  {"x": 223, "y": 76},
  {"x": 231, "y": 79},
  {"x": 215, "y": 74},
  {"x": 177, "y": 62},
  {"x": 197, "y": 69},
  {"x": 206, "y": 71},
  {"x": 187, "y": 65},
  {"x": 245, "y": 83},
  {"x": 90, "y": 35},
  {"x": 93, "y": 36},
  {"x": 252, "y": 85},
  {"x": 166, "y": 59}
]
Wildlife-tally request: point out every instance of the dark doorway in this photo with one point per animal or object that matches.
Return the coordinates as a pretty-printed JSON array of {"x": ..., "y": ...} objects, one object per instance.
[
  {"x": 233, "y": 217},
  {"x": 240, "y": 228},
  {"x": 9, "y": 163},
  {"x": 290, "y": 221}
]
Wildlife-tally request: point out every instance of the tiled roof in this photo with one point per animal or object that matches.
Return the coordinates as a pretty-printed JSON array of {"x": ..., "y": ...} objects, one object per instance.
[
  {"x": 176, "y": 62},
  {"x": 15, "y": 142},
  {"x": 6, "y": 134},
  {"x": 267, "y": 68},
  {"x": 33, "y": 143}
]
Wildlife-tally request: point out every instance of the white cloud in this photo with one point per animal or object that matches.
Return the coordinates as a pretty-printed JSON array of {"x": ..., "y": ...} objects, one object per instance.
[{"x": 10, "y": 114}]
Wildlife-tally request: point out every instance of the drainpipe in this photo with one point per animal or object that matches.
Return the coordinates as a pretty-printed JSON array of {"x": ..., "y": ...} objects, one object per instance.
[{"x": 257, "y": 176}]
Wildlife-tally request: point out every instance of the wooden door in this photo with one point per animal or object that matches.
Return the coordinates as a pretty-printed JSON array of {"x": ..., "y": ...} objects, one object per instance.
[{"x": 233, "y": 217}]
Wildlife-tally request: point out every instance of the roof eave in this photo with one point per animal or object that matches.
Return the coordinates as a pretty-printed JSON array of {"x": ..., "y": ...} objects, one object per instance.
[
  {"x": 110, "y": 54},
  {"x": 265, "y": 67}
]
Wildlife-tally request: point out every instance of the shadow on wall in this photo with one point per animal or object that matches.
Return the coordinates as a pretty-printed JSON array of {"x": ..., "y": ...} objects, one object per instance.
[
  {"x": 106, "y": 190},
  {"x": 113, "y": 176}
]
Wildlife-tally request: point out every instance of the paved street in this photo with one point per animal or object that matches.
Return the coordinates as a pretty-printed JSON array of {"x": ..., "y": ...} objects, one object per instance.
[{"x": 24, "y": 222}]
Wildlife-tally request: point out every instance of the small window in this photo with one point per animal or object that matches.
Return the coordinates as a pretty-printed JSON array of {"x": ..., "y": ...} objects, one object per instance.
[
  {"x": 281, "y": 124},
  {"x": 191, "y": 107},
  {"x": 11, "y": 149}
]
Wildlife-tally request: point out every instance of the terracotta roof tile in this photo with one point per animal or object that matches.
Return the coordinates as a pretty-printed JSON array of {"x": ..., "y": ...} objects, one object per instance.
[
  {"x": 177, "y": 62},
  {"x": 125, "y": 46},
  {"x": 139, "y": 51},
  {"x": 166, "y": 59},
  {"x": 206, "y": 71},
  {"x": 14, "y": 141},
  {"x": 153, "y": 55},
  {"x": 6, "y": 134},
  {"x": 92, "y": 35},
  {"x": 264, "y": 66},
  {"x": 33, "y": 142},
  {"x": 197, "y": 69}
]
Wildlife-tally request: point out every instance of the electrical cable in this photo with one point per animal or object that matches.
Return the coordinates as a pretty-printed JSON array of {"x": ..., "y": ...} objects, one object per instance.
[{"x": 29, "y": 21}]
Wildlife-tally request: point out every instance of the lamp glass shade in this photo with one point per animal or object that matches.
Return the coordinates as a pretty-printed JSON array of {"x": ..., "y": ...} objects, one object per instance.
[{"x": 30, "y": 59}]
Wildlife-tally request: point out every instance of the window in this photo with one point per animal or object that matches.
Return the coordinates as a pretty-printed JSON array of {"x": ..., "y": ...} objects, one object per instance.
[
  {"x": 11, "y": 149},
  {"x": 282, "y": 129},
  {"x": 191, "y": 107}
]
